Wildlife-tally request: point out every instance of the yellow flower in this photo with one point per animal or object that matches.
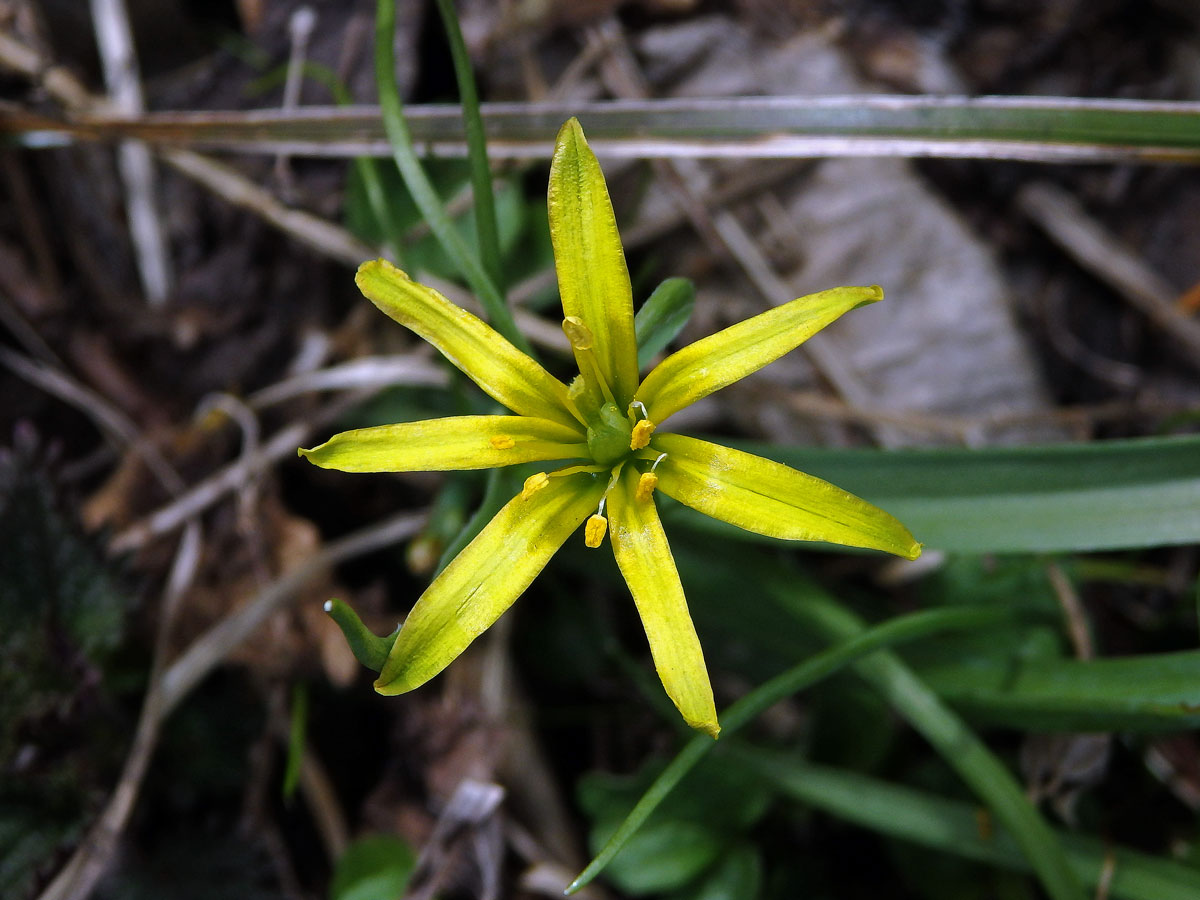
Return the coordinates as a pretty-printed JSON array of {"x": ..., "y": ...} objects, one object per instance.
[{"x": 605, "y": 428}]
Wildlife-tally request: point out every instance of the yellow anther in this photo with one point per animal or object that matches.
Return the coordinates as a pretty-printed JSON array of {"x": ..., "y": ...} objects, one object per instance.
[
  {"x": 641, "y": 434},
  {"x": 501, "y": 442},
  {"x": 594, "y": 531},
  {"x": 645, "y": 486},
  {"x": 578, "y": 333},
  {"x": 533, "y": 484}
]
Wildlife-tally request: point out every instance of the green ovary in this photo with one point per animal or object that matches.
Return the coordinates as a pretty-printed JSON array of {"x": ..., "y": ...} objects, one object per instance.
[{"x": 608, "y": 436}]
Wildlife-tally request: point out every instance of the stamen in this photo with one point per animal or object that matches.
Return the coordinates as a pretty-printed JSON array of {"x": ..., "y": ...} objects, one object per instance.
[
  {"x": 578, "y": 333},
  {"x": 596, "y": 527},
  {"x": 645, "y": 487},
  {"x": 616, "y": 474},
  {"x": 582, "y": 340},
  {"x": 533, "y": 484},
  {"x": 587, "y": 360},
  {"x": 661, "y": 457},
  {"x": 641, "y": 434},
  {"x": 575, "y": 391},
  {"x": 575, "y": 470},
  {"x": 594, "y": 531},
  {"x": 501, "y": 442}
]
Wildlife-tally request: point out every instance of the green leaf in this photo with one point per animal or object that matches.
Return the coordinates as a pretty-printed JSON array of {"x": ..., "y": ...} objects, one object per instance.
[
  {"x": 797, "y": 678},
  {"x": 665, "y": 856},
  {"x": 662, "y": 317},
  {"x": 1152, "y": 692},
  {"x": 486, "y": 229},
  {"x": 296, "y": 733},
  {"x": 62, "y": 616},
  {"x": 954, "y": 827},
  {"x": 694, "y": 828},
  {"x": 369, "y": 649},
  {"x": 1048, "y": 129},
  {"x": 925, "y": 711},
  {"x": 1097, "y": 496},
  {"x": 405, "y": 154},
  {"x": 31, "y": 838},
  {"x": 375, "y": 867},
  {"x": 737, "y": 875}
]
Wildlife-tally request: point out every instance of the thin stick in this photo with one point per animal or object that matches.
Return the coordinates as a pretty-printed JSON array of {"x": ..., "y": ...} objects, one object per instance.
[
  {"x": 114, "y": 423},
  {"x": 1069, "y": 225},
  {"x": 91, "y": 858},
  {"x": 234, "y": 187},
  {"x": 114, "y": 40},
  {"x": 375, "y": 372},
  {"x": 212, "y": 647},
  {"x": 203, "y": 495}
]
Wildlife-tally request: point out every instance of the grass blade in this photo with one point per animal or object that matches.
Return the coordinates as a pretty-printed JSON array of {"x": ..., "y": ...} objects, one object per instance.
[
  {"x": 1038, "y": 129},
  {"x": 797, "y": 678},
  {"x": 1153, "y": 692},
  {"x": 953, "y": 827},
  {"x": 662, "y": 317},
  {"x": 481, "y": 174},
  {"x": 958, "y": 745},
  {"x": 423, "y": 193}
]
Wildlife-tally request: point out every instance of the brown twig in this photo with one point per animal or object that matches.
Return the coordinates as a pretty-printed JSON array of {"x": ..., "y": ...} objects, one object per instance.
[
  {"x": 200, "y": 497},
  {"x": 93, "y": 855},
  {"x": 1073, "y": 612},
  {"x": 114, "y": 423},
  {"x": 364, "y": 373},
  {"x": 114, "y": 40},
  {"x": 1069, "y": 225}
]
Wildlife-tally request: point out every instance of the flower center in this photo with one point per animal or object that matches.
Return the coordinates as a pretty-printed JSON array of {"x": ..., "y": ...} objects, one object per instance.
[{"x": 609, "y": 435}]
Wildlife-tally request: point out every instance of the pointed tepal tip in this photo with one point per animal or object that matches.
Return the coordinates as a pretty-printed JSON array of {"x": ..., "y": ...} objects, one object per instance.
[
  {"x": 374, "y": 270},
  {"x": 571, "y": 130},
  {"x": 711, "y": 727}
]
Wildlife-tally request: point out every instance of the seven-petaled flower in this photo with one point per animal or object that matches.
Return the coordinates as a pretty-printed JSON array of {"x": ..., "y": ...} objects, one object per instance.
[{"x": 604, "y": 428}]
